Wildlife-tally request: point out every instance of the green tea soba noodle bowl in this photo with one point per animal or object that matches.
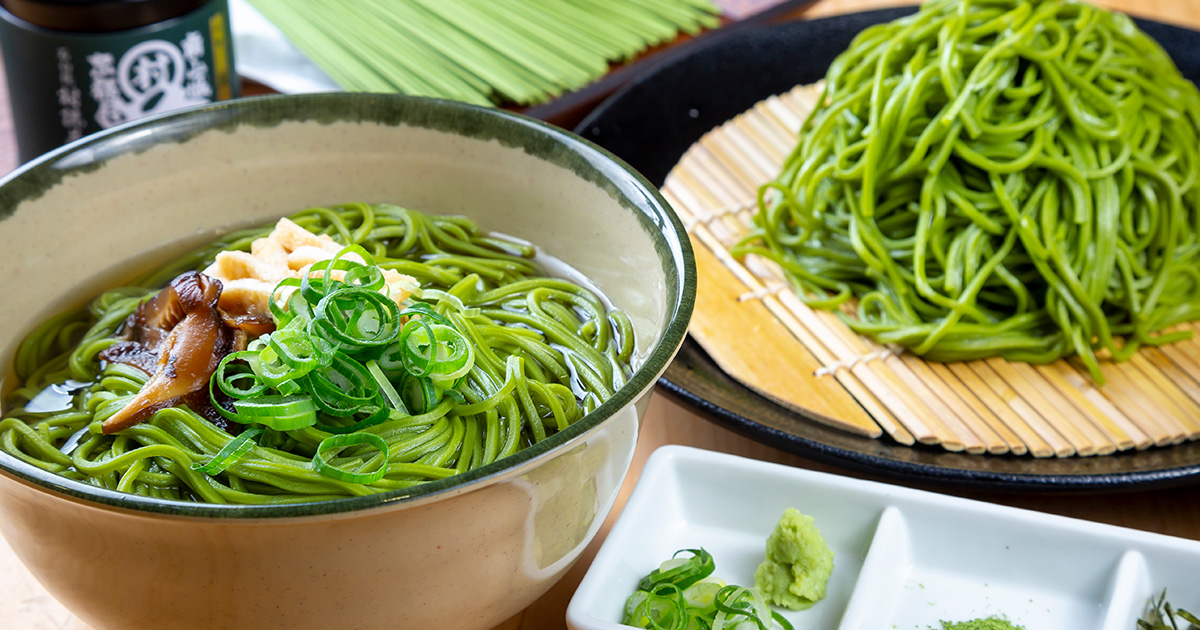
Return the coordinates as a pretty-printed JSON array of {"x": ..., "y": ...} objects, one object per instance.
[{"x": 409, "y": 405}]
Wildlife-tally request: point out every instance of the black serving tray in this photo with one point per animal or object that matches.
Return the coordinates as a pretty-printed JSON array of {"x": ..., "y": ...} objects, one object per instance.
[{"x": 653, "y": 120}]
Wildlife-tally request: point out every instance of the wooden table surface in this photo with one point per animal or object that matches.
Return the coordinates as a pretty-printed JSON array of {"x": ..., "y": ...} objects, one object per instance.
[{"x": 25, "y": 605}]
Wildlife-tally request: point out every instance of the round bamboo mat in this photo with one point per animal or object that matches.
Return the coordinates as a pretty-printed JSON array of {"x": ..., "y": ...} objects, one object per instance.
[{"x": 753, "y": 325}]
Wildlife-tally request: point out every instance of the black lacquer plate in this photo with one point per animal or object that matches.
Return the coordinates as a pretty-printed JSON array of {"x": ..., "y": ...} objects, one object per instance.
[{"x": 651, "y": 123}]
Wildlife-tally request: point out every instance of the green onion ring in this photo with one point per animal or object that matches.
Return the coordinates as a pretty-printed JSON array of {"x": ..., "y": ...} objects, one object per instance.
[
  {"x": 338, "y": 442},
  {"x": 230, "y": 453},
  {"x": 226, "y": 381},
  {"x": 698, "y": 567},
  {"x": 279, "y": 412}
]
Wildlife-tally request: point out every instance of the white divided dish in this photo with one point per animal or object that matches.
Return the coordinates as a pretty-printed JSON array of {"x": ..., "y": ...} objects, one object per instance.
[{"x": 904, "y": 559}]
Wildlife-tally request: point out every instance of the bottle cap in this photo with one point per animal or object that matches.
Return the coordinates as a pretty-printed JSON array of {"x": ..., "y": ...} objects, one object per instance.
[{"x": 98, "y": 16}]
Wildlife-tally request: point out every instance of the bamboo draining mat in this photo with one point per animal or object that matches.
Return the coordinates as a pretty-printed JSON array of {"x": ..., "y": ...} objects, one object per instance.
[{"x": 753, "y": 325}]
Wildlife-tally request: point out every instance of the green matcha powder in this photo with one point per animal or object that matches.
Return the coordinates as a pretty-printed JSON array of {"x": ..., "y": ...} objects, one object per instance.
[{"x": 991, "y": 623}]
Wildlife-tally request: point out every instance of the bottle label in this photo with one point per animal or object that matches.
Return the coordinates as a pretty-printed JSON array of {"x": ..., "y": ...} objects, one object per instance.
[
  {"x": 70, "y": 99},
  {"x": 154, "y": 76}
]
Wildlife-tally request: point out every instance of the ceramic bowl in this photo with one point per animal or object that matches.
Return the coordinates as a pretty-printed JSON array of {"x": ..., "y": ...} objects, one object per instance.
[{"x": 465, "y": 552}]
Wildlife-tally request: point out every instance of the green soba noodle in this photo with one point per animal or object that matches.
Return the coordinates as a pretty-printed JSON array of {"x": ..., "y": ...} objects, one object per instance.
[
  {"x": 1012, "y": 178},
  {"x": 573, "y": 353}
]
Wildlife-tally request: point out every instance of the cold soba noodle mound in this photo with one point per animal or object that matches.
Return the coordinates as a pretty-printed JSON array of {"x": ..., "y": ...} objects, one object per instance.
[
  {"x": 1012, "y": 178},
  {"x": 296, "y": 368}
]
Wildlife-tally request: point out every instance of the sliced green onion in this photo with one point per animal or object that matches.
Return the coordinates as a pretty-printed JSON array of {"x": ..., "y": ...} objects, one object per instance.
[
  {"x": 738, "y": 604},
  {"x": 375, "y": 415},
  {"x": 368, "y": 261},
  {"x": 272, "y": 370},
  {"x": 313, "y": 287},
  {"x": 290, "y": 353},
  {"x": 703, "y": 594},
  {"x": 282, "y": 413},
  {"x": 416, "y": 358},
  {"x": 369, "y": 278},
  {"x": 435, "y": 350},
  {"x": 343, "y": 387},
  {"x": 635, "y": 607},
  {"x": 385, "y": 387},
  {"x": 681, "y": 594},
  {"x": 237, "y": 380},
  {"x": 455, "y": 357},
  {"x": 663, "y": 607},
  {"x": 391, "y": 358},
  {"x": 420, "y": 394},
  {"x": 296, "y": 349},
  {"x": 425, "y": 310},
  {"x": 230, "y": 453},
  {"x": 684, "y": 573},
  {"x": 318, "y": 282},
  {"x": 284, "y": 316},
  {"x": 336, "y": 443},
  {"x": 357, "y": 317}
]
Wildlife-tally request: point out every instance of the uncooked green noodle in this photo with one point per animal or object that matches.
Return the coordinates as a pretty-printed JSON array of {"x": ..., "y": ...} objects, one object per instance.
[
  {"x": 1012, "y": 178},
  {"x": 574, "y": 352}
]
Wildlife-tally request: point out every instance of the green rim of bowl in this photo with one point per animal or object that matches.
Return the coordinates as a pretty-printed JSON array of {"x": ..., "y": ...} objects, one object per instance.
[{"x": 537, "y": 138}]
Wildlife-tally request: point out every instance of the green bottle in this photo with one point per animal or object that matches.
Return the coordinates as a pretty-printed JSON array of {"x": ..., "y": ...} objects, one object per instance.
[{"x": 75, "y": 67}]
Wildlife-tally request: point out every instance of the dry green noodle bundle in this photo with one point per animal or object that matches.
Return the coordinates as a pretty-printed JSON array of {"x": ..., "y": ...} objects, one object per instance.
[
  {"x": 546, "y": 352},
  {"x": 480, "y": 51},
  {"x": 997, "y": 178}
]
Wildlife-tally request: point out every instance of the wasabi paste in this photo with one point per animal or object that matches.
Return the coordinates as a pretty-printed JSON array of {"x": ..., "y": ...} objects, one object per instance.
[{"x": 798, "y": 563}]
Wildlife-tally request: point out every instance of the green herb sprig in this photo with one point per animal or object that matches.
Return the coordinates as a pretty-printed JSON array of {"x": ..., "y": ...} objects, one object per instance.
[{"x": 1160, "y": 615}]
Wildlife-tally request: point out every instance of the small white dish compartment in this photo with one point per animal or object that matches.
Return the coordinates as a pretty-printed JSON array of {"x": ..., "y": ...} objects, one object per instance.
[{"x": 905, "y": 559}]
